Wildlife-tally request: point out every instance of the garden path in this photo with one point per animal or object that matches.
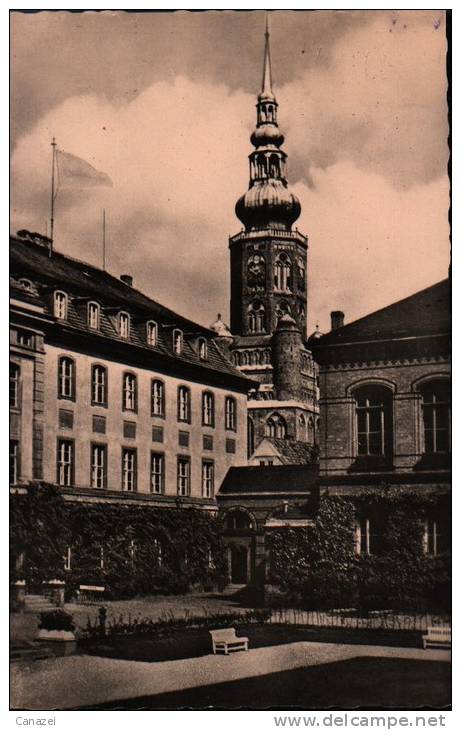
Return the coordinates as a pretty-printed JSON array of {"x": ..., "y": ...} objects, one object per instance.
[{"x": 46, "y": 684}]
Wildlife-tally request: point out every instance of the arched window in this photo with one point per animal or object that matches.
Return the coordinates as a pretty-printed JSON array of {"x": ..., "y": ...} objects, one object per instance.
[
  {"x": 184, "y": 409},
  {"x": 177, "y": 342},
  {"x": 15, "y": 376},
  {"x": 237, "y": 519},
  {"x": 250, "y": 436},
  {"x": 282, "y": 272},
  {"x": 436, "y": 416},
  {"x": 130, "y": 392},
  {"x": 256, "y": 318},
  {"x": 276, "y": 427},
  {"x": 93, "y": 315},
  {"x": 231, "y": 413},
  {"x": 274, "y": 166},
  {"x": 99, "y": 385},
  {"x": 66, "y": 378},
  {"x": 60, "y": 305},
  {"x": 124, "y": 325},
  {"x": 261, "y": 166},
  {"x": 256, "y": 271},
  {"x": 373, "y": 418},
  {"x": 282, "y": 308},
  {"x": 302, "y": 427},
  {"x": 207, "y": 409},
  {"x": 151, "y": 333},
  {"x": 158, "y": 398},
  {"x": 301, "y": 267},
  {"x": 202, "y": 349},
  {"x": 310, "y": 431}
]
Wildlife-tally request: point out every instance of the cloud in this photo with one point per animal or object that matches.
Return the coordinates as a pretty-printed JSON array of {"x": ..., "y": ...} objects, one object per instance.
[{"x": 373, "y": 192}]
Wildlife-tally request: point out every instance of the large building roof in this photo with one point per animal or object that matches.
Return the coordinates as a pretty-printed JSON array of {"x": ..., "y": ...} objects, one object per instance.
[
  {"x": 425, "y": 313},
  {"x": 292, "y": 452},
  {"x": 83, "y": 282},
  {"x": 285, "y": 479}
]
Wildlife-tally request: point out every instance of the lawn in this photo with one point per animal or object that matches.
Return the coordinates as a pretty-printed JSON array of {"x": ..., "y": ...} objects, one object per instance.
[
  {"x": 190, "y": 642},
  {"x": 367, "y": 682}
]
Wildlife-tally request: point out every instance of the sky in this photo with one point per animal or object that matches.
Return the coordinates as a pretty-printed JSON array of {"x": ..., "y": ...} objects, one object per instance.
[{"x": 164, "y": 103}]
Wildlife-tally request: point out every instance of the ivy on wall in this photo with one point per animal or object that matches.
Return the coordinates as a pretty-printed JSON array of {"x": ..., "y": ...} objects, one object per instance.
[
  {"x": 129, "y": 549},
  {"x": 317, "y": 567}
]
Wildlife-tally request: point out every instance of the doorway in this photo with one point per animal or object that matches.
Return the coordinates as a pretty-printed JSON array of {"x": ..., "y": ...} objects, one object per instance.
[{"x": 239, "y": 564}]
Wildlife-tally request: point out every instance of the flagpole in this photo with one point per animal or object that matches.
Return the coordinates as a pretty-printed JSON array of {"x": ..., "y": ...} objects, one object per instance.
[
  {"x": 53, "y": 162},
  {"x": 104, "y": 239}
]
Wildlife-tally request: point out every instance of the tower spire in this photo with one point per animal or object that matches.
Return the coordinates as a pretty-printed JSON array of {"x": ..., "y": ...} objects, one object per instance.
[{"x": 266, "y": 86}]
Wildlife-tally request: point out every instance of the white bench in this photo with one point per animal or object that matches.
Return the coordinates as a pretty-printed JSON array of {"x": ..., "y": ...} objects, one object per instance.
[
  {"x": 225, "y": 640},
  {"x": 437, "y": 636}
]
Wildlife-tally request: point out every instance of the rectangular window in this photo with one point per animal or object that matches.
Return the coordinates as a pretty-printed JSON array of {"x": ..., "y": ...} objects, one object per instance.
[
  {"x": 129, "y": 470},
  {"x": 431, "y": 537},
  {"x": 66, "y": 378},
  {"x": 124, "y": 325},
  {"x": 99, "y": 466},
  {"x": 157, "y": 434},
  {"x": 230, "y": 446},
  {"x": 25, "y": 339},
  {"x": 14, "y": 461},
  {"x": 207, "y": 409},
  {"x": 15, "y": 372},
  {"x": 208, "y": 443},
  {"x": 129, "y": 392},
  {"x": 183, "y": 438},
  {"x": 184, "y": 404},
  {"x": 66, "y": 418},
  {"x": 158, "y": 398},
  {"x": 65, "y": 463},
  {"x": 366, "y": 537},
  {"x": 231, "y": 414},
  {"x": 177, "y": 342},
  {"x": 207, "y": 479},
  {"x": 99, "y": 424},
  {"x": 183, "y": 476},
  {"x": 98, "y": 385},
  {"x": 129, "y": 429},
  {"x": 60, "y": 305},
  {"x": 67, "y": 559},
  {"x": 157, "y": 473}
]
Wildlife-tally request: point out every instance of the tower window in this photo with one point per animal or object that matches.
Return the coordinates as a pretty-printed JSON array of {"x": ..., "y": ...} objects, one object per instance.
[
  {"x": 282, "y": 273},
  {"x": 276, "y": 427},
  {"x": 60, "y": 305},
  {"x": 256, "y": 318}
]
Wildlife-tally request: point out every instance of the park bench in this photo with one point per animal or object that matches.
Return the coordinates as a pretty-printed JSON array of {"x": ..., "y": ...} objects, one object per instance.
[
  {"x": 90, "y": 594},
  {"x": 437, "y": 636},
  {"x": 225, "y": 640}
]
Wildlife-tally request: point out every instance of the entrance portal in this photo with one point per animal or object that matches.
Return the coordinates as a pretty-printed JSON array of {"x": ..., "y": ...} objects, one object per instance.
[{"x": 239, "y": 564}]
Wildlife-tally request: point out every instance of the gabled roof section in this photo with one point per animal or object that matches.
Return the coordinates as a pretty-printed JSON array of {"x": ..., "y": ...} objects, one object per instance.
[
  {"x": 276, "y": 480},
  {"x": 289, "y": 451},
  {"x": 425, "y": 313}
]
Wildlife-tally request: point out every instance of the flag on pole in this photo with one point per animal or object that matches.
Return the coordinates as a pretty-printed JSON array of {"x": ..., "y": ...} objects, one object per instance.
[{"x": 75, "y": 172}]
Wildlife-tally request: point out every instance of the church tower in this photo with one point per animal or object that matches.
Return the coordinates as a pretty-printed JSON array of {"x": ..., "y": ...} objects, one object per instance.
[
  {"x": 267, "y": 334},
  {"x": 268, "y": 257}
]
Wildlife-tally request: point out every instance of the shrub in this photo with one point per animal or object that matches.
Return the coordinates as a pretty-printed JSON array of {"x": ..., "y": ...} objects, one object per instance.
[{"x": 58, "y": 620}]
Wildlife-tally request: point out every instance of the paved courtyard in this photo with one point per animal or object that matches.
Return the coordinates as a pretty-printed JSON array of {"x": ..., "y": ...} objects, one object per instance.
[{"x": 78, "y": 681}]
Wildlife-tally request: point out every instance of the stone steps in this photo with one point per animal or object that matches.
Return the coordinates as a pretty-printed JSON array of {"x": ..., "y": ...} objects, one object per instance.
[{"x": 36, "y": 604}]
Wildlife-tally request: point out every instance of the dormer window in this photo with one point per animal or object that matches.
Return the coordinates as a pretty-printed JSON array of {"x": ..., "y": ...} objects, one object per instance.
[
  {"x": 152, "y": 334},
  {"x": 203, "y": 349},
  {"x": 177, "y": 342},
  {"x": 93, "y": 315},
  {"x": 124, "y": 325},
  {"x": 60, "y": 305}
]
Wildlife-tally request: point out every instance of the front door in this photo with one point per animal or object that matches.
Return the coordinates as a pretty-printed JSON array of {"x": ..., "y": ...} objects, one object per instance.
[{"x": 239, "y": 561}]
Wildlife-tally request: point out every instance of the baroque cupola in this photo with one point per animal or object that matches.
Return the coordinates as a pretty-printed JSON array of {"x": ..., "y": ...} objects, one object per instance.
[{"x": 268, "y": 201}]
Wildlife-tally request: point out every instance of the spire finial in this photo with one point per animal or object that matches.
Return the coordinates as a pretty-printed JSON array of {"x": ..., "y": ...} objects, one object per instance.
[{"x": 266, "y": 87}]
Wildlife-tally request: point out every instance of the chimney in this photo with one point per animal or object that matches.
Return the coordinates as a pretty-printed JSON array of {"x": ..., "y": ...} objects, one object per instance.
[
  {"x": 127, "y": 279},
  {"x": 337, "y": 320}
]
